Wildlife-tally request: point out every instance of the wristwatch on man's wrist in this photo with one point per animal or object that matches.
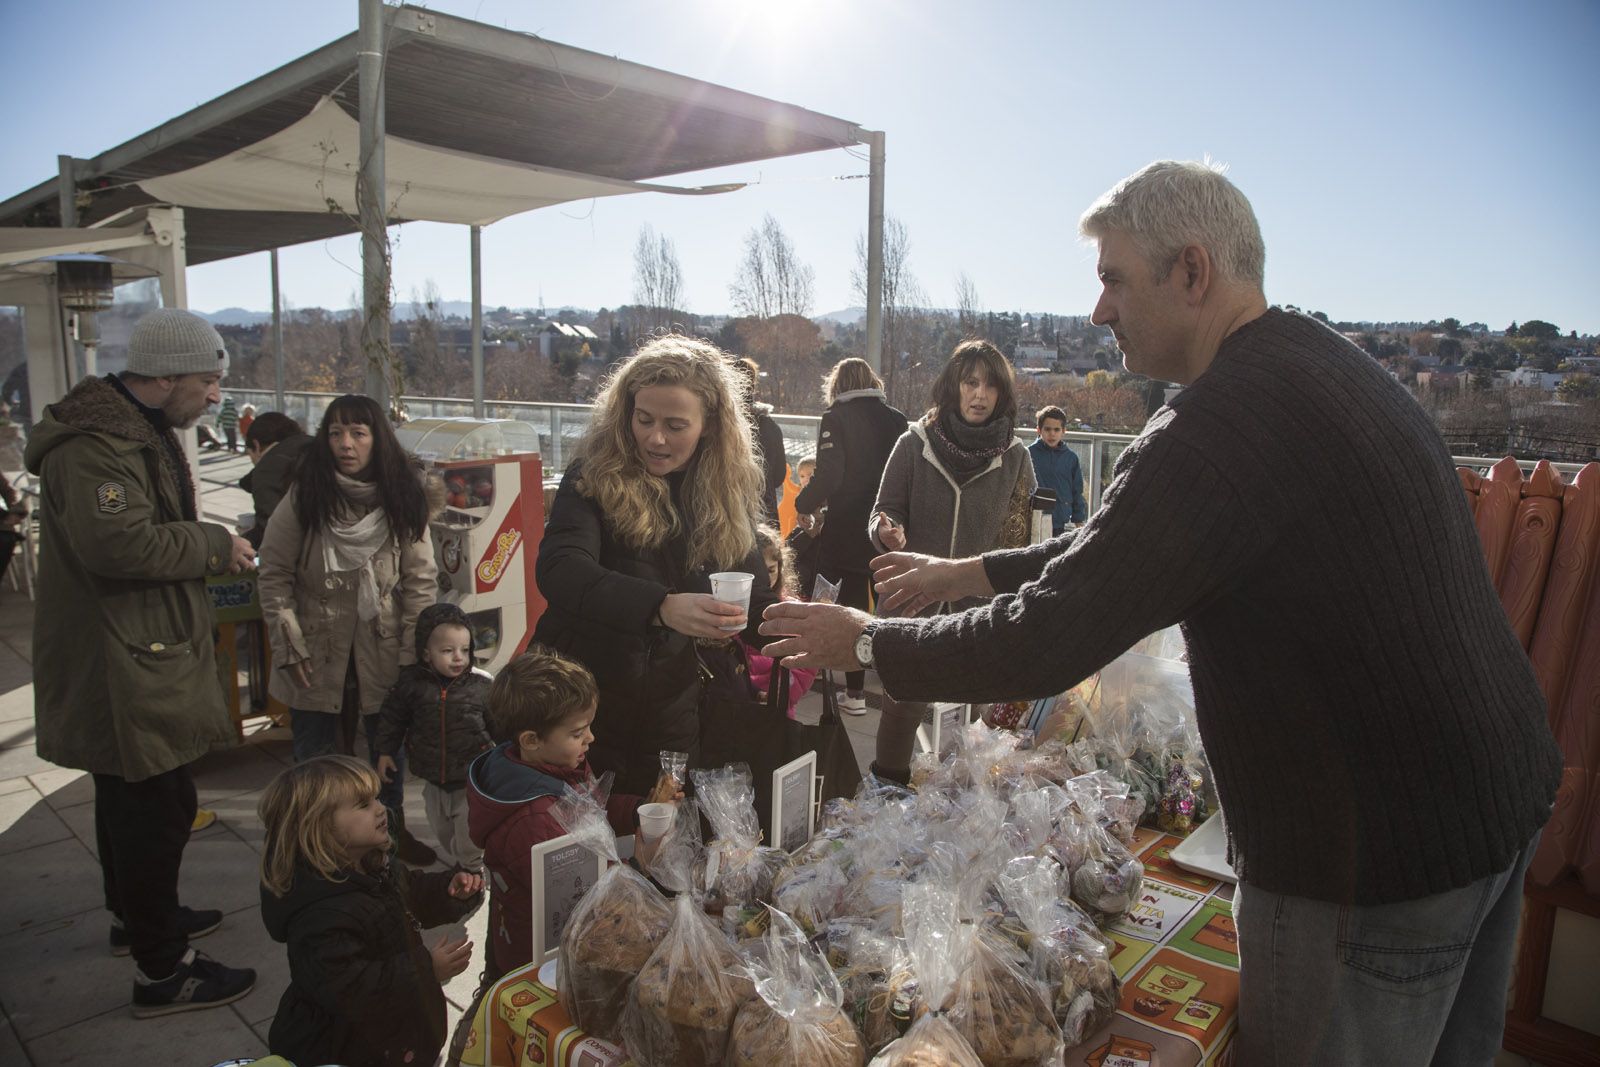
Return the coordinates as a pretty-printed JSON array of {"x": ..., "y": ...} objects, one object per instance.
[{"x": 864, "y": 645}]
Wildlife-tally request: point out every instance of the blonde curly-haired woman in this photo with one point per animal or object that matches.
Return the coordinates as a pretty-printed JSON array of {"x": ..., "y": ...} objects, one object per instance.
[{"x": 666, "y": 491}]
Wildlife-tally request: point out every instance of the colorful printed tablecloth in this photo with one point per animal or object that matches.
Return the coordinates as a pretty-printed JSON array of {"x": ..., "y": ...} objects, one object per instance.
[
  {"x": 1177, "y": 956},
  {"x": 520, "y": 1023}
]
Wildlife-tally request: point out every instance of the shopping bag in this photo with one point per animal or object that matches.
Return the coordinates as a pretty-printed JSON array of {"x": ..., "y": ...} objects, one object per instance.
[{"x": 759, "y": 732}]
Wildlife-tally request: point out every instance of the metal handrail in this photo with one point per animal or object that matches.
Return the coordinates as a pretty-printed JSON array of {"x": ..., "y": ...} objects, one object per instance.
[{"x": 561, "y": 427}]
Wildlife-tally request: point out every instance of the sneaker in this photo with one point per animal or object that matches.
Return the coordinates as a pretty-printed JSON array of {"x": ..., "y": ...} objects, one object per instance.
[
  {"x": 194, "y": 923},
  {"x": 853, "y": 705},
  {"x": 199, "y": 982}
]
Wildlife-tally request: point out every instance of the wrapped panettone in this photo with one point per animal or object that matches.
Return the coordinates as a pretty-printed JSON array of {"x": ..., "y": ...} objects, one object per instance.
[
  {"x": 940, "y": 947},
  {"x": 681, "y": 1007},
  {"x": 1001, "y": 1011},
  {"x": 613, "y": 929},
  {"x": 795, "y": 1016}
]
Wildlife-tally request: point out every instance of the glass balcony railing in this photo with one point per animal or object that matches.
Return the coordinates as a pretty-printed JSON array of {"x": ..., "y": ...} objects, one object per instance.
[{"x": 562, "y": 426}]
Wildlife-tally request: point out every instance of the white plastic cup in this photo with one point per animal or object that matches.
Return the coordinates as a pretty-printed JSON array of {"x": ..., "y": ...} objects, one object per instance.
[
  {"x": 733, "y": 587},
  {"x": 655, "y": 820}
]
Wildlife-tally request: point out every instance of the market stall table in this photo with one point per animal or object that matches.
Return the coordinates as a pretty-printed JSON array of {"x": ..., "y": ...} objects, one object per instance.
[{"x": 1177, "y": 956}]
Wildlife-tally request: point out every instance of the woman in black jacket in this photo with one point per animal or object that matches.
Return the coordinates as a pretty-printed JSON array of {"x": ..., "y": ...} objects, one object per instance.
[
  {"x": 767, "y": 437},
  {"x": 859, "y": 430},
  {"x": 665, "y": 492}
]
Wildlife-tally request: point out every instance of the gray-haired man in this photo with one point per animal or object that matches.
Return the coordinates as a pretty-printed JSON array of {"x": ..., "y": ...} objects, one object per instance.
[{"x": 1376, "y": 732}]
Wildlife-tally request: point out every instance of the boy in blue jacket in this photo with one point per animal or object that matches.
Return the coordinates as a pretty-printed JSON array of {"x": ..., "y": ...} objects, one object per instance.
[{"x": 1056, "y": 466}]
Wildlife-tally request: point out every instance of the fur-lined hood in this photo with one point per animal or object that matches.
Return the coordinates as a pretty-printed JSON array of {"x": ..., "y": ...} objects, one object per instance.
[{"x": 95, "y": 406}]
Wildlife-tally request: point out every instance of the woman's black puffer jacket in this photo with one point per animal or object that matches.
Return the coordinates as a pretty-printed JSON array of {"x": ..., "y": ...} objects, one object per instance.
[
  {"x": 602, "y": 602},
  {"x": 858, "y": 432}
]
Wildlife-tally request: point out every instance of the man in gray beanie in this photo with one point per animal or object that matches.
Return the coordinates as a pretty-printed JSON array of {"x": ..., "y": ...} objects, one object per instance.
[{"x": 125, "y": 677}]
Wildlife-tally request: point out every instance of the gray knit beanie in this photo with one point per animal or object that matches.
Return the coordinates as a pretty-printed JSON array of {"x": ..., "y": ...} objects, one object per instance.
[{"x": 169, "y": 341}]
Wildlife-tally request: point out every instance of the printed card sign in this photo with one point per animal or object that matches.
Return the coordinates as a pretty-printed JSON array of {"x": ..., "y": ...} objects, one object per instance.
[
  {"x": 563, "y": 871},
  {"x": 948, "y": 722},
  {"x": 794, "y": 802},
  {"x": 941, "y": 728},
  {"x": 1160, "y": 910}
]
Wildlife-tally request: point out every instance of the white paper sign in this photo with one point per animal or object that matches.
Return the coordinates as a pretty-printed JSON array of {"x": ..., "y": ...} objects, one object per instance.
[
  {"x": 563, "y": 871},
  {"x": 943, "y": 729},
  {"x": 794, "y": 802}
]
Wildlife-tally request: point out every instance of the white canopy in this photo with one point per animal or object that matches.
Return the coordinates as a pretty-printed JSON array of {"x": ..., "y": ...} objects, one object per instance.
[{"x": 311, "y": 166}]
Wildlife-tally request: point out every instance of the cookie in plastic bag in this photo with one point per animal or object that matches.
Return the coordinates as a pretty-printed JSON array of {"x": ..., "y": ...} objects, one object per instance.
[{"x": 614, "y": 928}]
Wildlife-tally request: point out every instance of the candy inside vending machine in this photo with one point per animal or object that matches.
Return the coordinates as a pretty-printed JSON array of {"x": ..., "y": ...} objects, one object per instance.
[{"x": 487, "y": 540}]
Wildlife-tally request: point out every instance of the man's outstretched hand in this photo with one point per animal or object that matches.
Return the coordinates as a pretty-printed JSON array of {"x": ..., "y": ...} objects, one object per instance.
[
  {"x": 815, "y": 636},
  {"x": 908, "y": 582}
]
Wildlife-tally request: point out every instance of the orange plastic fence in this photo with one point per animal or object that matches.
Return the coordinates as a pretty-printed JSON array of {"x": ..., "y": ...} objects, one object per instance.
[{"x": 1541, "y": 541}]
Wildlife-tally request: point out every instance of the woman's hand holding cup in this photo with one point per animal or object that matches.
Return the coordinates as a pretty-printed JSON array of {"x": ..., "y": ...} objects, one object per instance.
[{"x": 701, "y": 615}]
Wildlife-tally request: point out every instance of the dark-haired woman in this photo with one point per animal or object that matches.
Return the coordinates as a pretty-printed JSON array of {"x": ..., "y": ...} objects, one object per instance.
[
  {"x": 957, "y": 484},
  {"x": 346, "y": 568}
]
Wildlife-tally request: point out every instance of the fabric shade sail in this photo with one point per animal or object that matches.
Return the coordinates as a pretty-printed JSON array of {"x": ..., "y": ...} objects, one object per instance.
[{"x": 311, "y": 166}]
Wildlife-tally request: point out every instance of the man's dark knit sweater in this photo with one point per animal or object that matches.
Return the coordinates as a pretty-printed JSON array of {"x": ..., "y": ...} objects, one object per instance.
[{"x": 1375, "y": 730}]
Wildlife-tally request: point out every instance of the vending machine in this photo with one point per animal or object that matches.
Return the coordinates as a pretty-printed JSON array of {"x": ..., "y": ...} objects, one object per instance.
[{"x": 487, "y": 541}]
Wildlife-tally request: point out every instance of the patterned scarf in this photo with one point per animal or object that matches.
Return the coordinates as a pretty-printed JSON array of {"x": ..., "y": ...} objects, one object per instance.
[{"x": 966, "y": 450}]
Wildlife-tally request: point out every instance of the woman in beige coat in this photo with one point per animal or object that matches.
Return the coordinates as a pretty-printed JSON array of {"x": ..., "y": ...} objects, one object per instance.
[{"x": 346, "y": 567}]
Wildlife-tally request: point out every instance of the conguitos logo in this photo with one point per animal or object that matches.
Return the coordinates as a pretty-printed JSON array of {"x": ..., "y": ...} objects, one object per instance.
[{"x": 502, "y": 550}]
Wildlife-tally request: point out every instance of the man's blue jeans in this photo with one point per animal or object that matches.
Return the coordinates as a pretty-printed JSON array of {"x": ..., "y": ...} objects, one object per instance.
[
  {"x": 1419, "y": 982},
  {"x": 316, "y": 733}
]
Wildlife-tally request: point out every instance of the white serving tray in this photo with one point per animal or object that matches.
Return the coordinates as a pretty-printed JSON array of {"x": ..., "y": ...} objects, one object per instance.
[{"x": 1206, "y": 851}]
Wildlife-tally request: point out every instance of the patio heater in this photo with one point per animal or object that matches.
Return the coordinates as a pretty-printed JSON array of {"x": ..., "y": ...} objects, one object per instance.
[{"x": 85, "y": 286}]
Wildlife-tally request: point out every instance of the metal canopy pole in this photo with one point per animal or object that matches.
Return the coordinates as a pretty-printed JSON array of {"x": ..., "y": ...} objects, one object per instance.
[
  {"x": 370, "y": 196},
  {"x": 875, "y": 255},
  {"x": 68, "y": 190},
  {"x": 277, "y": 332},
  {"x": 477, "y": 322}
]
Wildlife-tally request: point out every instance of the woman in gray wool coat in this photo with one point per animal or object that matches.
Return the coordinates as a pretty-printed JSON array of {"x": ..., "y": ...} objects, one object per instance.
[{"x": 957, "y": 484}]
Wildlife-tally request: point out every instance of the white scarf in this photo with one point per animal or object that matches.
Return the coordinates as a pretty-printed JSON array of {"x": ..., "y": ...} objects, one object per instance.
[{"x": 349, "y": 547}]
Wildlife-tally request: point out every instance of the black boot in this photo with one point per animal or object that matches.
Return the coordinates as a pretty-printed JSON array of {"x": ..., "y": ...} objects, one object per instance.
[
  {"x": 412, "y": 853},
  {"x": 897, "y": 777}
]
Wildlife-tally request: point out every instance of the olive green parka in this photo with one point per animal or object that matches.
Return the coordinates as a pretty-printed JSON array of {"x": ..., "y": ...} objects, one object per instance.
[{"x": 125, "y": 676}]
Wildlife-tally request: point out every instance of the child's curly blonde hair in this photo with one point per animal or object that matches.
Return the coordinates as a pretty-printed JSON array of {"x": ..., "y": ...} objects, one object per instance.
[{"x": 298, "y": 808}]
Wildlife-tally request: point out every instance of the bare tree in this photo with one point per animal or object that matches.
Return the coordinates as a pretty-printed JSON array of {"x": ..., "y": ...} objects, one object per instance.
[
  {"x": 771, "y": 280},
  {"x": 968, "y": 307},
  {"x": 901, "y": 294},
  {"x": 657, "y": 278}
]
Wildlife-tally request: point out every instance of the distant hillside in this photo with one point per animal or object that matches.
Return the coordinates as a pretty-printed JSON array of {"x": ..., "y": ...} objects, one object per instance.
[
  {"x": 845, "y": 317},
  {"x": 402, "y": 310},
  {"x": 235, "y": 317}
]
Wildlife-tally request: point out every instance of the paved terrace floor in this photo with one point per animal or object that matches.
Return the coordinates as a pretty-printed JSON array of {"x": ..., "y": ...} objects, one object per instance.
[{"x": 64, "y": 997}]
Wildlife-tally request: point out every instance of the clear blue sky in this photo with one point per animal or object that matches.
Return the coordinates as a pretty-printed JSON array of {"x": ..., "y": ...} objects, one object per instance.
[{"x": 1407, "y": 160}]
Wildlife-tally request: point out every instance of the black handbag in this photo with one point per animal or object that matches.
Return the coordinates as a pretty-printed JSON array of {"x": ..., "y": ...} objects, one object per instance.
[{"x": 759, "y": 732}]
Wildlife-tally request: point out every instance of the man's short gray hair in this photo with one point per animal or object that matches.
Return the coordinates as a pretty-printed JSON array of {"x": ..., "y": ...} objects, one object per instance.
[{"x": 1169, "y": 205}]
